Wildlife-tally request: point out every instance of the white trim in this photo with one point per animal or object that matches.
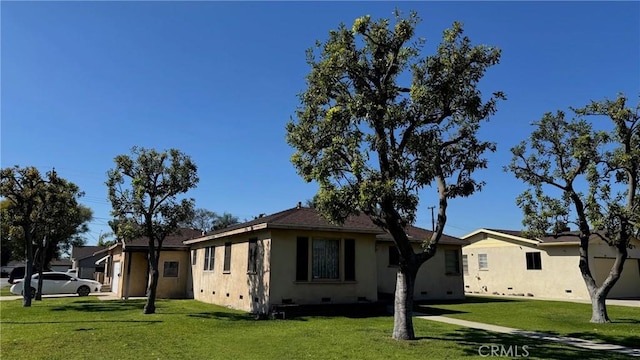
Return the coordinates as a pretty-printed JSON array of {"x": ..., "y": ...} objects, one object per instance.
[
  {"x": 497, "y": 233},
  {"x": 102, "y": 259}
]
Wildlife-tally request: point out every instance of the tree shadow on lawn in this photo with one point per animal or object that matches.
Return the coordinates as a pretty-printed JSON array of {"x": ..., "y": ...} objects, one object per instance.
[
  {"x": 219, "y": 315},
  {"x": 466, "y": 300},
  {"x": 428, "y": 310},
  {"x": 92, "y": 321},
  {"x": 480, "y": 343},
  {"x": 101, "y": 306},
  {"x": 628, "y": 341}
]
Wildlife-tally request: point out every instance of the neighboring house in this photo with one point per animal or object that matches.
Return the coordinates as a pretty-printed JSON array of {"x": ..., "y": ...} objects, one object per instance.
[
  {"x": 61, "y": 265},
  {"x": 297, "y": 257},
  {"x": 505, "y": 262},
  {"x": 86, "y": 263},
  {"x": 127, "y": 267}
]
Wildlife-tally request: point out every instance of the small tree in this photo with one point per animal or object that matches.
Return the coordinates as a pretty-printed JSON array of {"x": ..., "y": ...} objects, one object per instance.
[
  {"x": 562, "y": 154},
  {"x": 372, "y": 143},
  {"x": 146, "y": 205}
]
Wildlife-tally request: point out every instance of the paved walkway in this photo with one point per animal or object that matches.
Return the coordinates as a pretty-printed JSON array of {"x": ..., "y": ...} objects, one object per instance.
[{"x": 581, "y": 343}]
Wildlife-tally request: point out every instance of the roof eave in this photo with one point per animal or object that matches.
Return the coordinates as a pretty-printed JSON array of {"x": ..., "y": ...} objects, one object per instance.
[
  {"x": 497, "y": 233},
  {"x": 237, "y": 231}
]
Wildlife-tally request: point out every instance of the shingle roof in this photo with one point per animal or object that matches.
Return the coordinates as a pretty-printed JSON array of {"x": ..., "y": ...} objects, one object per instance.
[
  {"x": 567, "y": 237},
  {"x": 60, "y": 262},
  {"x": 308, "y": 218},
  {"x": 82, "y": 252},
  {"x": 172, "y": 241}
]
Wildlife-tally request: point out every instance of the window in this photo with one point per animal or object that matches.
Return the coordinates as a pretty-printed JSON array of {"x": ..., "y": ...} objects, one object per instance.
[
  {"x": 349, "y": 260},
  {"x": 302, "y": 259},
  {"x": 325, "y": 254},
  {"x": 533, "y": 261},
  {"x": 451, "y": 262},
  {"x": 394, "y": 256},
  {"x": 227, "y": 257},
  {"x": 54, "y": 277},
  {"x": 209, "y": 257},
  {"x": 252, "y": 265},
  {"x": 465, "y": 265},
  {"x": 194, "y": 257},
  {"x": 170, "y": 269},
  {"x": 483, "y": 263}
]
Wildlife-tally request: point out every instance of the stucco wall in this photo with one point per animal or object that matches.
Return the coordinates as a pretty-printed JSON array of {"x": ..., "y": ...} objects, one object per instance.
[
  {"x": 283, "y": 271},
  {"x": 174, "y": 287},
  {"x": 628, "y": 285},
  {"x": 559, "y": 277},
  {"x": 236, "y": 289},
  {"x": 134, "y": 278},
  {"x": 432, "y": 283}
]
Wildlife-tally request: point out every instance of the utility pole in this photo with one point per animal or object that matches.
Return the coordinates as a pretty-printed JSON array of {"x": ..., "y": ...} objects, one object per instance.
[{"x": 433, "y": 223}]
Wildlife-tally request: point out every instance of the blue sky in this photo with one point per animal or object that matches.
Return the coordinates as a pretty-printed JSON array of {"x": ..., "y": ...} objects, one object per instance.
[{"x": 82, "y": 82}]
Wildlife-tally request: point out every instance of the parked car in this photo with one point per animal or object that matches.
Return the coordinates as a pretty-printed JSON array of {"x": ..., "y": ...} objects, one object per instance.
[
  {"x": 73, "y": 272},
  {"x": 58, "y": 283}
]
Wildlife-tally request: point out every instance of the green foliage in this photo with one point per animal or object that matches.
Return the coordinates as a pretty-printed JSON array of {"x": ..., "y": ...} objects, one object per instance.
[
  {"x": 56, "y": 216},
  {"x": 106, "y": 239},
  {"x": 371, "y": 142},
  {"x": 206, "y": 220},
  {"x": 143, "y": 191},
  {"x": 565, "y": 154}
]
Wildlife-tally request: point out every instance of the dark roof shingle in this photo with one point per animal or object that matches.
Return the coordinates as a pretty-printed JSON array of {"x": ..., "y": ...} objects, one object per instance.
[
  {"x": 82, "y": 252},
  {"x": 309, "y": 218},
  {"x": 172, "y": 241}
]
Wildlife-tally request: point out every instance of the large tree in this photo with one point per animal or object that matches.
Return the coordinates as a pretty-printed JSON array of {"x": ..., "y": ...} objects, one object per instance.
[
  {"x": 65, "y": 224},
  {"x": 378, "y": 122},
  {"x": 223, "y": 220},
  {"x": 207, "y": 220},
  {"x": 585, "y": 177},
  {"x": 43, "y": 216},
  {"x": 144, "y": 190}
]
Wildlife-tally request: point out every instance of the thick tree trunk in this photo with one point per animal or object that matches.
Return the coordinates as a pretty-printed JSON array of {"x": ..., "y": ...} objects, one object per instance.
[
  {"x": 403, "y": 306},
  {"x": 599, "y": 294},
  {"x": 150, "y": 306},
  {"x": 599, "y": 309}
]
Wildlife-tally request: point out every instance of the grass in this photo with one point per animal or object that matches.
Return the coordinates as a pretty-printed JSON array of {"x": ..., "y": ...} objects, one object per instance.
[
  {"x": 4, "y": 291},
  {"x": 555, "y": 317},
  {"x": 82, "y": 328}
]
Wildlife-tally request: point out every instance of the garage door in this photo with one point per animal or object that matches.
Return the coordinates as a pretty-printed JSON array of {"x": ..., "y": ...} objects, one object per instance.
[
  {"x": 116, "y": 277},
  {"x": 628, "y": 285}
]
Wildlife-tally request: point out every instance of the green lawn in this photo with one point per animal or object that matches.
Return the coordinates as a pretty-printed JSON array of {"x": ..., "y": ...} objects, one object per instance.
[
  {"x": 4, "y": 291},
  {"x": 86, "y": 328},
  {"x": 556, "y": 317}
]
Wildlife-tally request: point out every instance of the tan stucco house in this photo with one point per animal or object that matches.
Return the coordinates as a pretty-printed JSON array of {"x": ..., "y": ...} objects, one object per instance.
[
  {"x": 126, "y": 268},
  {"x": 505, "y": 262},
  {"x": 297, "y": 257}
]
